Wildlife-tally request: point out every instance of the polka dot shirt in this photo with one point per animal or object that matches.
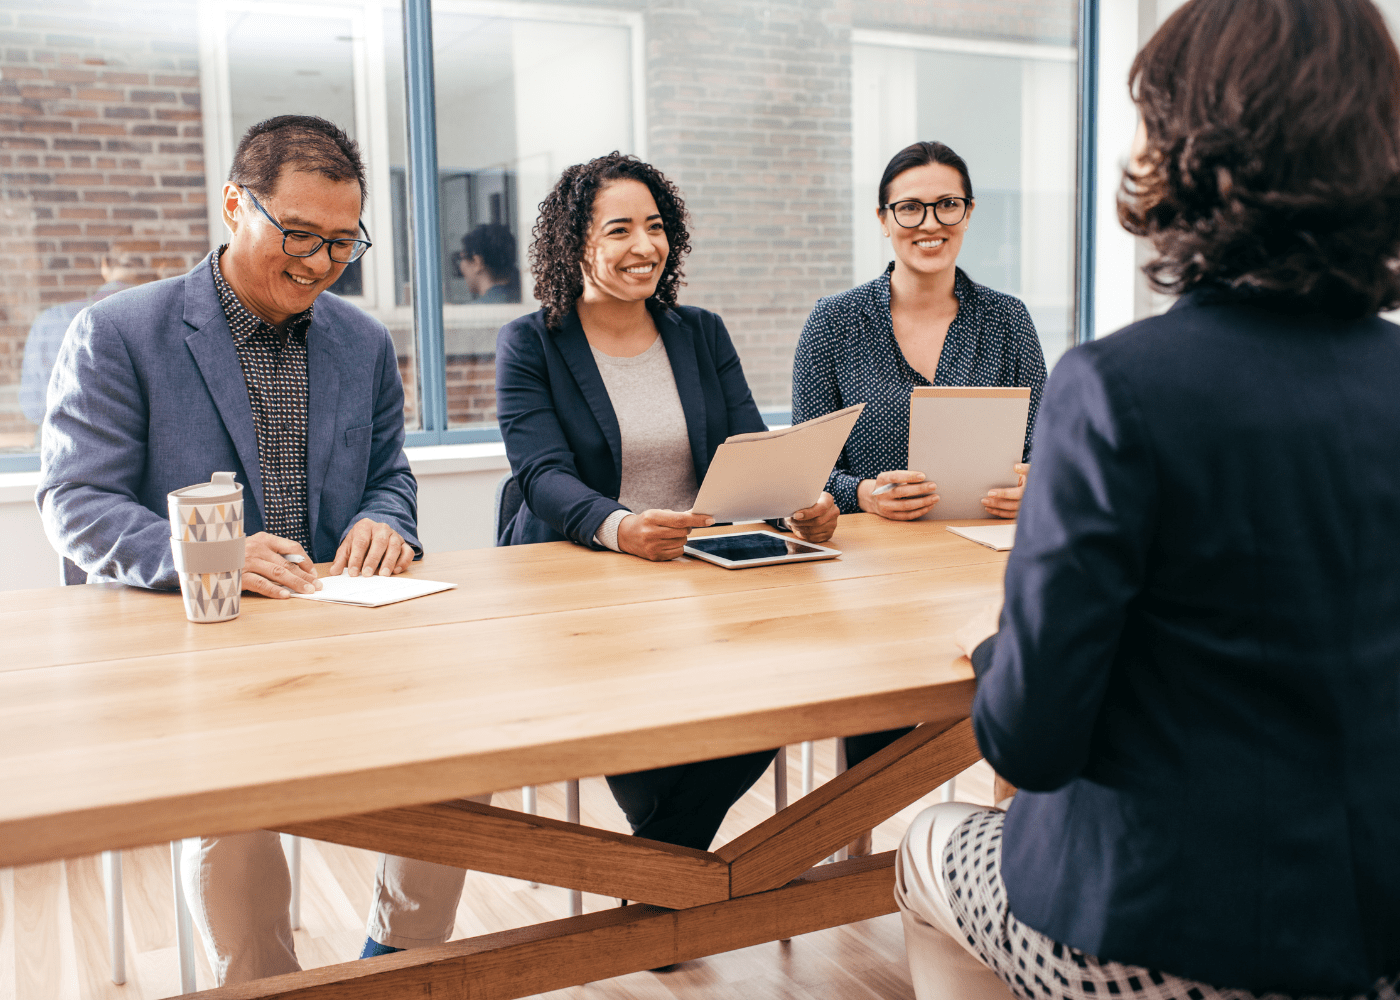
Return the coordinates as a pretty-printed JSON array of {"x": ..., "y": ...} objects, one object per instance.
[
  {"x": 275, "y": 372},
  {"x": 1038, "y": 968},
  {"x": 848, "y": 354}
]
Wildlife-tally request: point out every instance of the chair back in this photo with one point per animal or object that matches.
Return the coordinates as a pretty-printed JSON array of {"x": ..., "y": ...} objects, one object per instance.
[
  {"x": 508, "y": 501},
  {"x": 70, "y": 574}
]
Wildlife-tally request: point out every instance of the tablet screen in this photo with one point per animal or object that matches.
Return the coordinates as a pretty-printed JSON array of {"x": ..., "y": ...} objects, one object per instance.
[{"x": 751, "y": 545}]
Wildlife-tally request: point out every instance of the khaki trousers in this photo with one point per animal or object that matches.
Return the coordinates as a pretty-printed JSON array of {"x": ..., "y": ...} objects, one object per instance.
[{"x": 941, "y": 963}]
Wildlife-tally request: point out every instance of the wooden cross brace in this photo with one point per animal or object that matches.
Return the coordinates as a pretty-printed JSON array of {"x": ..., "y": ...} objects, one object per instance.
[{"x": 759, "y": 887}]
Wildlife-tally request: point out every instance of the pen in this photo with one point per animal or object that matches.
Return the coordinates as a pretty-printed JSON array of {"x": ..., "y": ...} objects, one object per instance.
[
  {"x": 294, "y": 558},
  {"x": 880, "y": 491}
]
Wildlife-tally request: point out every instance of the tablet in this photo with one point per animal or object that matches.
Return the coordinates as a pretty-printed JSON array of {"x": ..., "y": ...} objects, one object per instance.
[{"x": 755, "y": 548}]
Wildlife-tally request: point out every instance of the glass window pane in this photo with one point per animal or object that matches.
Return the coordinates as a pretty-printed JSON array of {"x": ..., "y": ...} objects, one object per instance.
[
  {"x": 518, "y": 99},
  {"x": 102, "y": 152}
]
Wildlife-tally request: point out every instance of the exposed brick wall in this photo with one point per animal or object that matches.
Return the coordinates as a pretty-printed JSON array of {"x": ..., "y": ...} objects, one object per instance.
[{"x": 101, "y": 150}]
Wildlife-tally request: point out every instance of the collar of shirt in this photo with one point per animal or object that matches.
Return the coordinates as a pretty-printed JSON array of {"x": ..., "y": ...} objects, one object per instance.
[{"x": 242, "y": 321}]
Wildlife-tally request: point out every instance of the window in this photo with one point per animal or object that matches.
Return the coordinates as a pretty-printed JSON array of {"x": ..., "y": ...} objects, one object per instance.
[{"x": 774, "y": 120}]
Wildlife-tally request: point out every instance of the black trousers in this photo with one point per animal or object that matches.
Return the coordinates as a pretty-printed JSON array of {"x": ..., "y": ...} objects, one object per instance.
[
  {"x": 858, "y": 748},
  {"x": 685, "y": 804}
]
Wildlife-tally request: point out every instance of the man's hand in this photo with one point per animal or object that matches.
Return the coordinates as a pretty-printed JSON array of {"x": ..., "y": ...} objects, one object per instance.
[
  {"x": 266, "y": 572},
  {"x": 816, "y": 523},
  {"x": 658, "y": 535},
  {"x": 1007, "y": 502},
  {"x": 910, "y": 498},
  {"x": 372, "y": 547}
]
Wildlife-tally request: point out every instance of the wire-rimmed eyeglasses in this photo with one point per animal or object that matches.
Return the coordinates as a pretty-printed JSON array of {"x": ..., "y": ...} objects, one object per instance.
[
  {"x": 911, "y": 214},
  {"x": 296, "y": 243}
]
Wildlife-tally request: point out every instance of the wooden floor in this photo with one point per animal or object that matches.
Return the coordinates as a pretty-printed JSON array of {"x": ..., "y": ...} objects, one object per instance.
[{"x": 53, "y": 926}]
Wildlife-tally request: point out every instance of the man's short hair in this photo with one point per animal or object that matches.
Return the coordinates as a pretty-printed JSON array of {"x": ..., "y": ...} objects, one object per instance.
[{"x": 306, "y": 142}]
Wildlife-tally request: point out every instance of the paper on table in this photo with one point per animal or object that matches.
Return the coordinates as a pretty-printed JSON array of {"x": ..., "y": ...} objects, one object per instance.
[
  {"x": 995, "y": 536},
  {"x": 373, "y": 591},
  {"x": 966, "y": 439},
  {"x": 769, "y": 474}
]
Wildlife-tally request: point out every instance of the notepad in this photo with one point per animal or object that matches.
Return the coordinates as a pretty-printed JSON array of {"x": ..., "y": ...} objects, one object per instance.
[
  {"x": 768, "y": 474},
  {"x": 1000, "y": 537},
  {"x": 966, "y": 439},
  {"x": 373, "y": 591}
]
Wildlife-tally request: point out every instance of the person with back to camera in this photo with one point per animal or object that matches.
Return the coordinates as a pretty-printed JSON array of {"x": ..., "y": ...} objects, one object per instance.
[
  {"x": 922, "y": 322},
  {"x": 487, "y": 262},
  {"x": 1195, "y": 680},
  {"x": 612, "y": 400}
]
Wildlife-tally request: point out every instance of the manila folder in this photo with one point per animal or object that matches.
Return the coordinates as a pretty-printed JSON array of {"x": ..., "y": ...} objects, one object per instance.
[
  {"x": 966, "y": 439},
  {"x": 771, "y": 474}
]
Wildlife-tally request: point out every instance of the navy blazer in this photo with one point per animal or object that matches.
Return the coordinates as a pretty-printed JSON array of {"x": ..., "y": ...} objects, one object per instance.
[
  {"x": 561, "y": 432},
  {"x": 1196, "y": 682},
  {"x": 148, "y": 397}
]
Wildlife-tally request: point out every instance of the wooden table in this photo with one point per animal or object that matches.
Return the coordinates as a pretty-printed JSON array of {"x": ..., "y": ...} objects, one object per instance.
[{"x": 122, "y": 724}]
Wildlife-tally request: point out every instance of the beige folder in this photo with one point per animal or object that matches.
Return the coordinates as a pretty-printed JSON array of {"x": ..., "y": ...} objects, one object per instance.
[
  {"x": 966, "y": 439},
  {"x": 770, "y": 474}
]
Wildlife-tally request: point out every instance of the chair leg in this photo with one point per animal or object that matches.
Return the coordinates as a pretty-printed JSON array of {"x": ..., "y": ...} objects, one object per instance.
[
  {"x": 571, "y": 813},
  {"x": 842, "y": 854},
  {"x": 291, "y": 847},
  {"x": 780, "y": 780},
  {"x": 116, "y": 926},
  {"x": 184, "y": 927},
  {"x": 529, "y": 803},
  {"x": 809, "y": 768},
  {"x": 947, "y": 790}
]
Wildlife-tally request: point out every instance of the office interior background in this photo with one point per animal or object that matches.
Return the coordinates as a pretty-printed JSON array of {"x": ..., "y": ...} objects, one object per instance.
[{"x": 775, "y": 118}]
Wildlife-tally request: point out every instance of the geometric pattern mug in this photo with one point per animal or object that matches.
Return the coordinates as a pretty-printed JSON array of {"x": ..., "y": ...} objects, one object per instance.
[{"x": 206, "y": 539}]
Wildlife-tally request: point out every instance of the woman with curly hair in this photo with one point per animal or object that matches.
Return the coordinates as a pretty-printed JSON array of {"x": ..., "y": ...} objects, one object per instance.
[
  {"x": 612, "y": 400},
  {"x": 1195, "y": 680}
]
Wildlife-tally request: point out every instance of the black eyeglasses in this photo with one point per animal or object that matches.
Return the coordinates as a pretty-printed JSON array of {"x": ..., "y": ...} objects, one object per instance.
[
  {"x": 296, "y": 243},
  {"x": 911, "y": 214}
]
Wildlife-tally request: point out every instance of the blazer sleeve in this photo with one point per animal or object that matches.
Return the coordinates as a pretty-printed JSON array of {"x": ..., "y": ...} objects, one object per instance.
[
  {"x": 1081, "y": 549},
  {"x": 391, "y": 492},
  {"x": 93, "y": 454},
  {"x": 741, "y": 410},
  {"x": 538, "y": 450},
  {"x": 817, "y": 392}
]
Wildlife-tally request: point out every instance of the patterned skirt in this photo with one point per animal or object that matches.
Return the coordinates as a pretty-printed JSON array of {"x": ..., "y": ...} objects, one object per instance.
[{"x": 1037, "y": 968}]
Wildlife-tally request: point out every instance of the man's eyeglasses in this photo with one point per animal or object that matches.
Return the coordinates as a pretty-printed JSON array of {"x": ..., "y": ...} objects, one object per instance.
[
  {"x": 911, "y": 214},
  {"x": 296, "y": 243}
]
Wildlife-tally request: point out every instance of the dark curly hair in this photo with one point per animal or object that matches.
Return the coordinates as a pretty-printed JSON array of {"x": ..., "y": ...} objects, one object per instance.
[
  {"x": 1272, "y": 163},
  {"x": 561, "y": 232}
]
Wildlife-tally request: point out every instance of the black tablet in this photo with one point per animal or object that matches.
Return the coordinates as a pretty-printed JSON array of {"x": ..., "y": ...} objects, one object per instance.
[{"x": 755, "y": 548}]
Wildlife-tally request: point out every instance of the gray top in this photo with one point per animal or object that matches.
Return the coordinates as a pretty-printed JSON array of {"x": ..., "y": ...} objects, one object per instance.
[{"x": 658, "y": 470}]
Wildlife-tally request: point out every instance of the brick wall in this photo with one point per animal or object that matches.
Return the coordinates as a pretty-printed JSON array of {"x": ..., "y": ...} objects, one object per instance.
[{"x": 101, "y": 151}]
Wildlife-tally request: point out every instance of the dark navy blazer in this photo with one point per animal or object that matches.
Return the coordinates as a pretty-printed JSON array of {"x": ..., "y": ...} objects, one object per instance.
[
  {"x": 1196, "y": 682},
  {"x": 148, "y": 396},
  {"x": 561, "y": 432}
]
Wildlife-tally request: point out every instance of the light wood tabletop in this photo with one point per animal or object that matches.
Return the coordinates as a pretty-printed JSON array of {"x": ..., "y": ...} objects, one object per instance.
[{"x": 123, "y": 724}]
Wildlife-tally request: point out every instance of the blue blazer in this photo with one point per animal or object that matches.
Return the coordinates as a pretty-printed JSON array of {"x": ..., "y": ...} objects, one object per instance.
[
  {"x": 561, "y": 432},
  {"x": 148, "y": 396},
  {"x": 1196, "y": 682}
]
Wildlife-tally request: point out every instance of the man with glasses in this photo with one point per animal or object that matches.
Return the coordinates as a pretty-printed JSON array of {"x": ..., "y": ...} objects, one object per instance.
[{"x": 240, "y": 365}]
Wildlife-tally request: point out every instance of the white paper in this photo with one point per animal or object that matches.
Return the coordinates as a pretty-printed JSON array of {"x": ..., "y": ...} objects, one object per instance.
[
  {"x": 769, "y": 474},
  {"x": 373, "y": 591},
  {"x": 995, "y": 536},
  {"x": 966, "y": 439}
]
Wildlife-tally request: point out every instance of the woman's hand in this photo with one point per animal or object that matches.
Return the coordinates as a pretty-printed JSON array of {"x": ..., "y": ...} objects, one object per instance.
[
  {"x": 816, "y": 523},
  {"x": 910, "y": 499},
  {"x": 1007, "y": 502},
  {"x": 980, "y": 627},
  {"x": 658, "y": 535}
]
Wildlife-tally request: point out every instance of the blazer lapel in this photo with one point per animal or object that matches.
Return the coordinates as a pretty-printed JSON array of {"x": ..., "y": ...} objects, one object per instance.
[
  {"x": 680, "y": 349},
  {"x": 211, "y": 344},
  {"x": 322, "y": 426},
  {"x": 573, "y": 346}
]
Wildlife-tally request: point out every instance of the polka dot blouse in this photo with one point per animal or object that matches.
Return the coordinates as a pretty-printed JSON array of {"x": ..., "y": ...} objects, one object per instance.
[{"x": 848, "y": 354}]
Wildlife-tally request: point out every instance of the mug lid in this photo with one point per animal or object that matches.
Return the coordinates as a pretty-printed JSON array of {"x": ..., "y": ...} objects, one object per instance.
[{"x": 220, "y": 487}]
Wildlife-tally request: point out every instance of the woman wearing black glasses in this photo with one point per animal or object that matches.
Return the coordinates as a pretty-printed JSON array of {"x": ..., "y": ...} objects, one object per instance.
[{"x": 922, "y": 322}]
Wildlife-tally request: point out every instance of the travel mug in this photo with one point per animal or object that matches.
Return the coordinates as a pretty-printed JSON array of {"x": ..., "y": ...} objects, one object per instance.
[{"x": 206, "y": 537}]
